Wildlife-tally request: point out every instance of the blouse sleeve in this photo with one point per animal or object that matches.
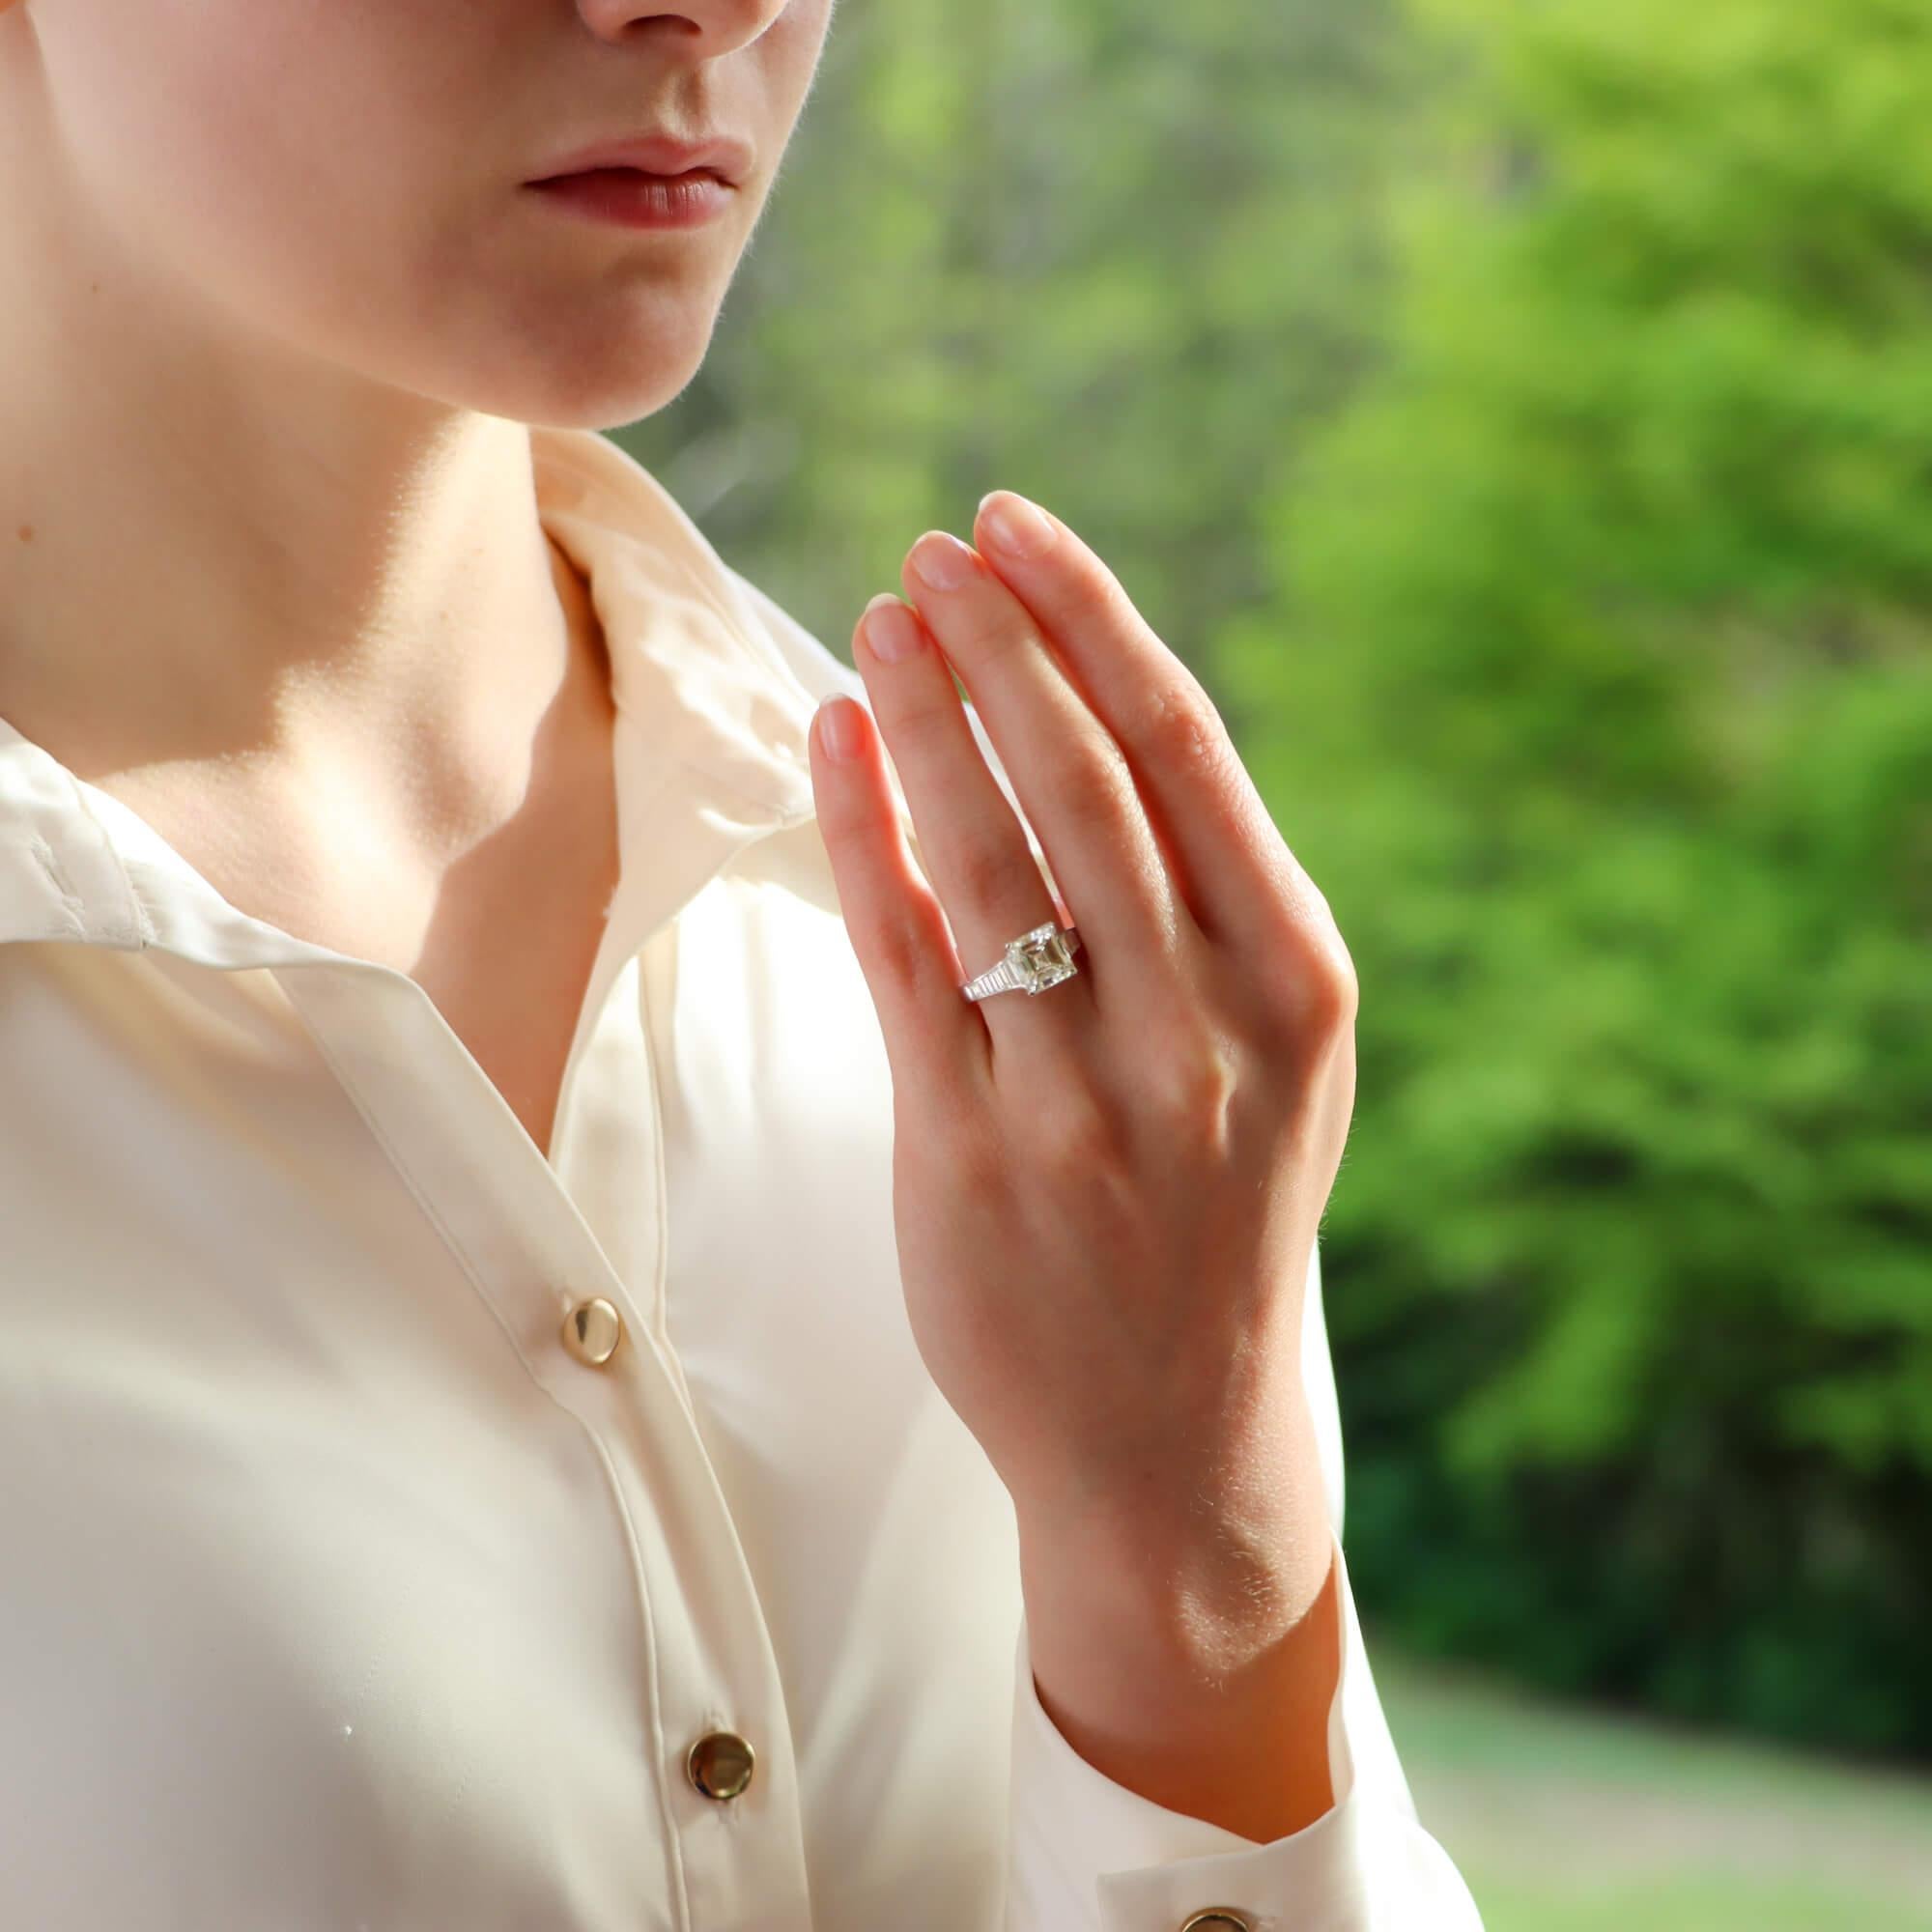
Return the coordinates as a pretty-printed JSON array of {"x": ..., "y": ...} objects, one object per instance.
[{"x": 1088, "y": 1855}]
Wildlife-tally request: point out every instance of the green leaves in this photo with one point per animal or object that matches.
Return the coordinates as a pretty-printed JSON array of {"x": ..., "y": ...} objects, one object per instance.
[{"x": 1601, "y": 706}]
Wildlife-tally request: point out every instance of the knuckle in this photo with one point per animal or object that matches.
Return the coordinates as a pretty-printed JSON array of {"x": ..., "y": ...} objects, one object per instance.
[
  {"x": 896, "y": 955},
  {"x": 990, "y": 643},
  {"x": 1086, "y": 788},
  {"x": 1076, "y": 1133},
  {"x": 1330, "y": 995},
  {"x": 1313, "y": 994},
  {"x": 1192, "y": 1085},
  {"x": 931, "y": 726},
  {"x": 994, "y": 871},
  {"x": 1182, "y": 730},
  {"x": 1345, "y": 998}
]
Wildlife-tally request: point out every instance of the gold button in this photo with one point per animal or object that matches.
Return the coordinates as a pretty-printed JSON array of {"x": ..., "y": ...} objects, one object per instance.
[
  {"x": 1217, "y": 1918},
  {"x": 720, "y": 1764},
  {"x": 593, "y": 1330}
]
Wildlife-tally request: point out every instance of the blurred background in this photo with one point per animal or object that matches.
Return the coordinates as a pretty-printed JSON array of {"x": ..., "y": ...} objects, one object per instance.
[{"x": 1519, "y": 413}]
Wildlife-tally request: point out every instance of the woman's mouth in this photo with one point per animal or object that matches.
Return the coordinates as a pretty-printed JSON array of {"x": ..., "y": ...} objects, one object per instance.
[{"x": 636, "y": 199}]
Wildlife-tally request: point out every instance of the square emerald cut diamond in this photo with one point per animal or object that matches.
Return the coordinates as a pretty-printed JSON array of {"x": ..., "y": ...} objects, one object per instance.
[{"x": 1040, "y": 958}]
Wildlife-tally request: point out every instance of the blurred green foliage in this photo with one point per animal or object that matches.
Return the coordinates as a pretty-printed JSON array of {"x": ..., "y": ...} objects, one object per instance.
[
  {"x": 1520, "y": 413},
  {"x": 1600, "y": 701}
]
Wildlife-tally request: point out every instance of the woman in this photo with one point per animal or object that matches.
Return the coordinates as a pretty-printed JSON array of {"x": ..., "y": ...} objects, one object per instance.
[{"x": 558, "y": 1364}]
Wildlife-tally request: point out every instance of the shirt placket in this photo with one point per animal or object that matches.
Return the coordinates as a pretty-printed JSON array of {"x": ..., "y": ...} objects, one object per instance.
[{"x": 588, "y": 1324}]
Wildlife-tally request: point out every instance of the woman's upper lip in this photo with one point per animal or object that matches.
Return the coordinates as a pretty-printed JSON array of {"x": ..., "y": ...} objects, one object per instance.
[{"x": 721, "y": 154}]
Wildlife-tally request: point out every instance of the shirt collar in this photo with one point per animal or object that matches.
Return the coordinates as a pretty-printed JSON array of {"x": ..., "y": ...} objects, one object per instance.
[
  {"x": 689, "y": 661},
  {"x": 696, "y": 679}
]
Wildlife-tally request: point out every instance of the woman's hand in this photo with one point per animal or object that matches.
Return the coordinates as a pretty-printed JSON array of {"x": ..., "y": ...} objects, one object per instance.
[{"x": 1106, "y": 1194}]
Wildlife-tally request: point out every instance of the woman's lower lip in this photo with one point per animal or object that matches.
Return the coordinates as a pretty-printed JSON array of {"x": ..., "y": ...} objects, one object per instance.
[{"x": 639, "y": 200}]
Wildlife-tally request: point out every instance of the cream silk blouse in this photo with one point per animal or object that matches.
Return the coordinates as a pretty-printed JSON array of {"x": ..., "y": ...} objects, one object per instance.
[{"x": 406, "y": 1526}]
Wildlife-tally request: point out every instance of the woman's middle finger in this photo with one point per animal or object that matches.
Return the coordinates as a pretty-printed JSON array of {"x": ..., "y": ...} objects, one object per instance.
[
  {"x": 970, "y": 840},
  {"x": 1070, "y": 777}
]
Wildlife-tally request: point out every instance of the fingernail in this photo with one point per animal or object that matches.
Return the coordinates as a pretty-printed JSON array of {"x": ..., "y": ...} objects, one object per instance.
[
  {"x": 943, "y": 560},
  {"x": 839, "y": 727},
  {"x": 1014, "y": 525},
  {"x": 891, "y": 631}
]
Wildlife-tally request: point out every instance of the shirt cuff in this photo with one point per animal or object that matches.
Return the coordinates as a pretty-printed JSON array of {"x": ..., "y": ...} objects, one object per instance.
[{"x": 1088, "y": 1855}]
